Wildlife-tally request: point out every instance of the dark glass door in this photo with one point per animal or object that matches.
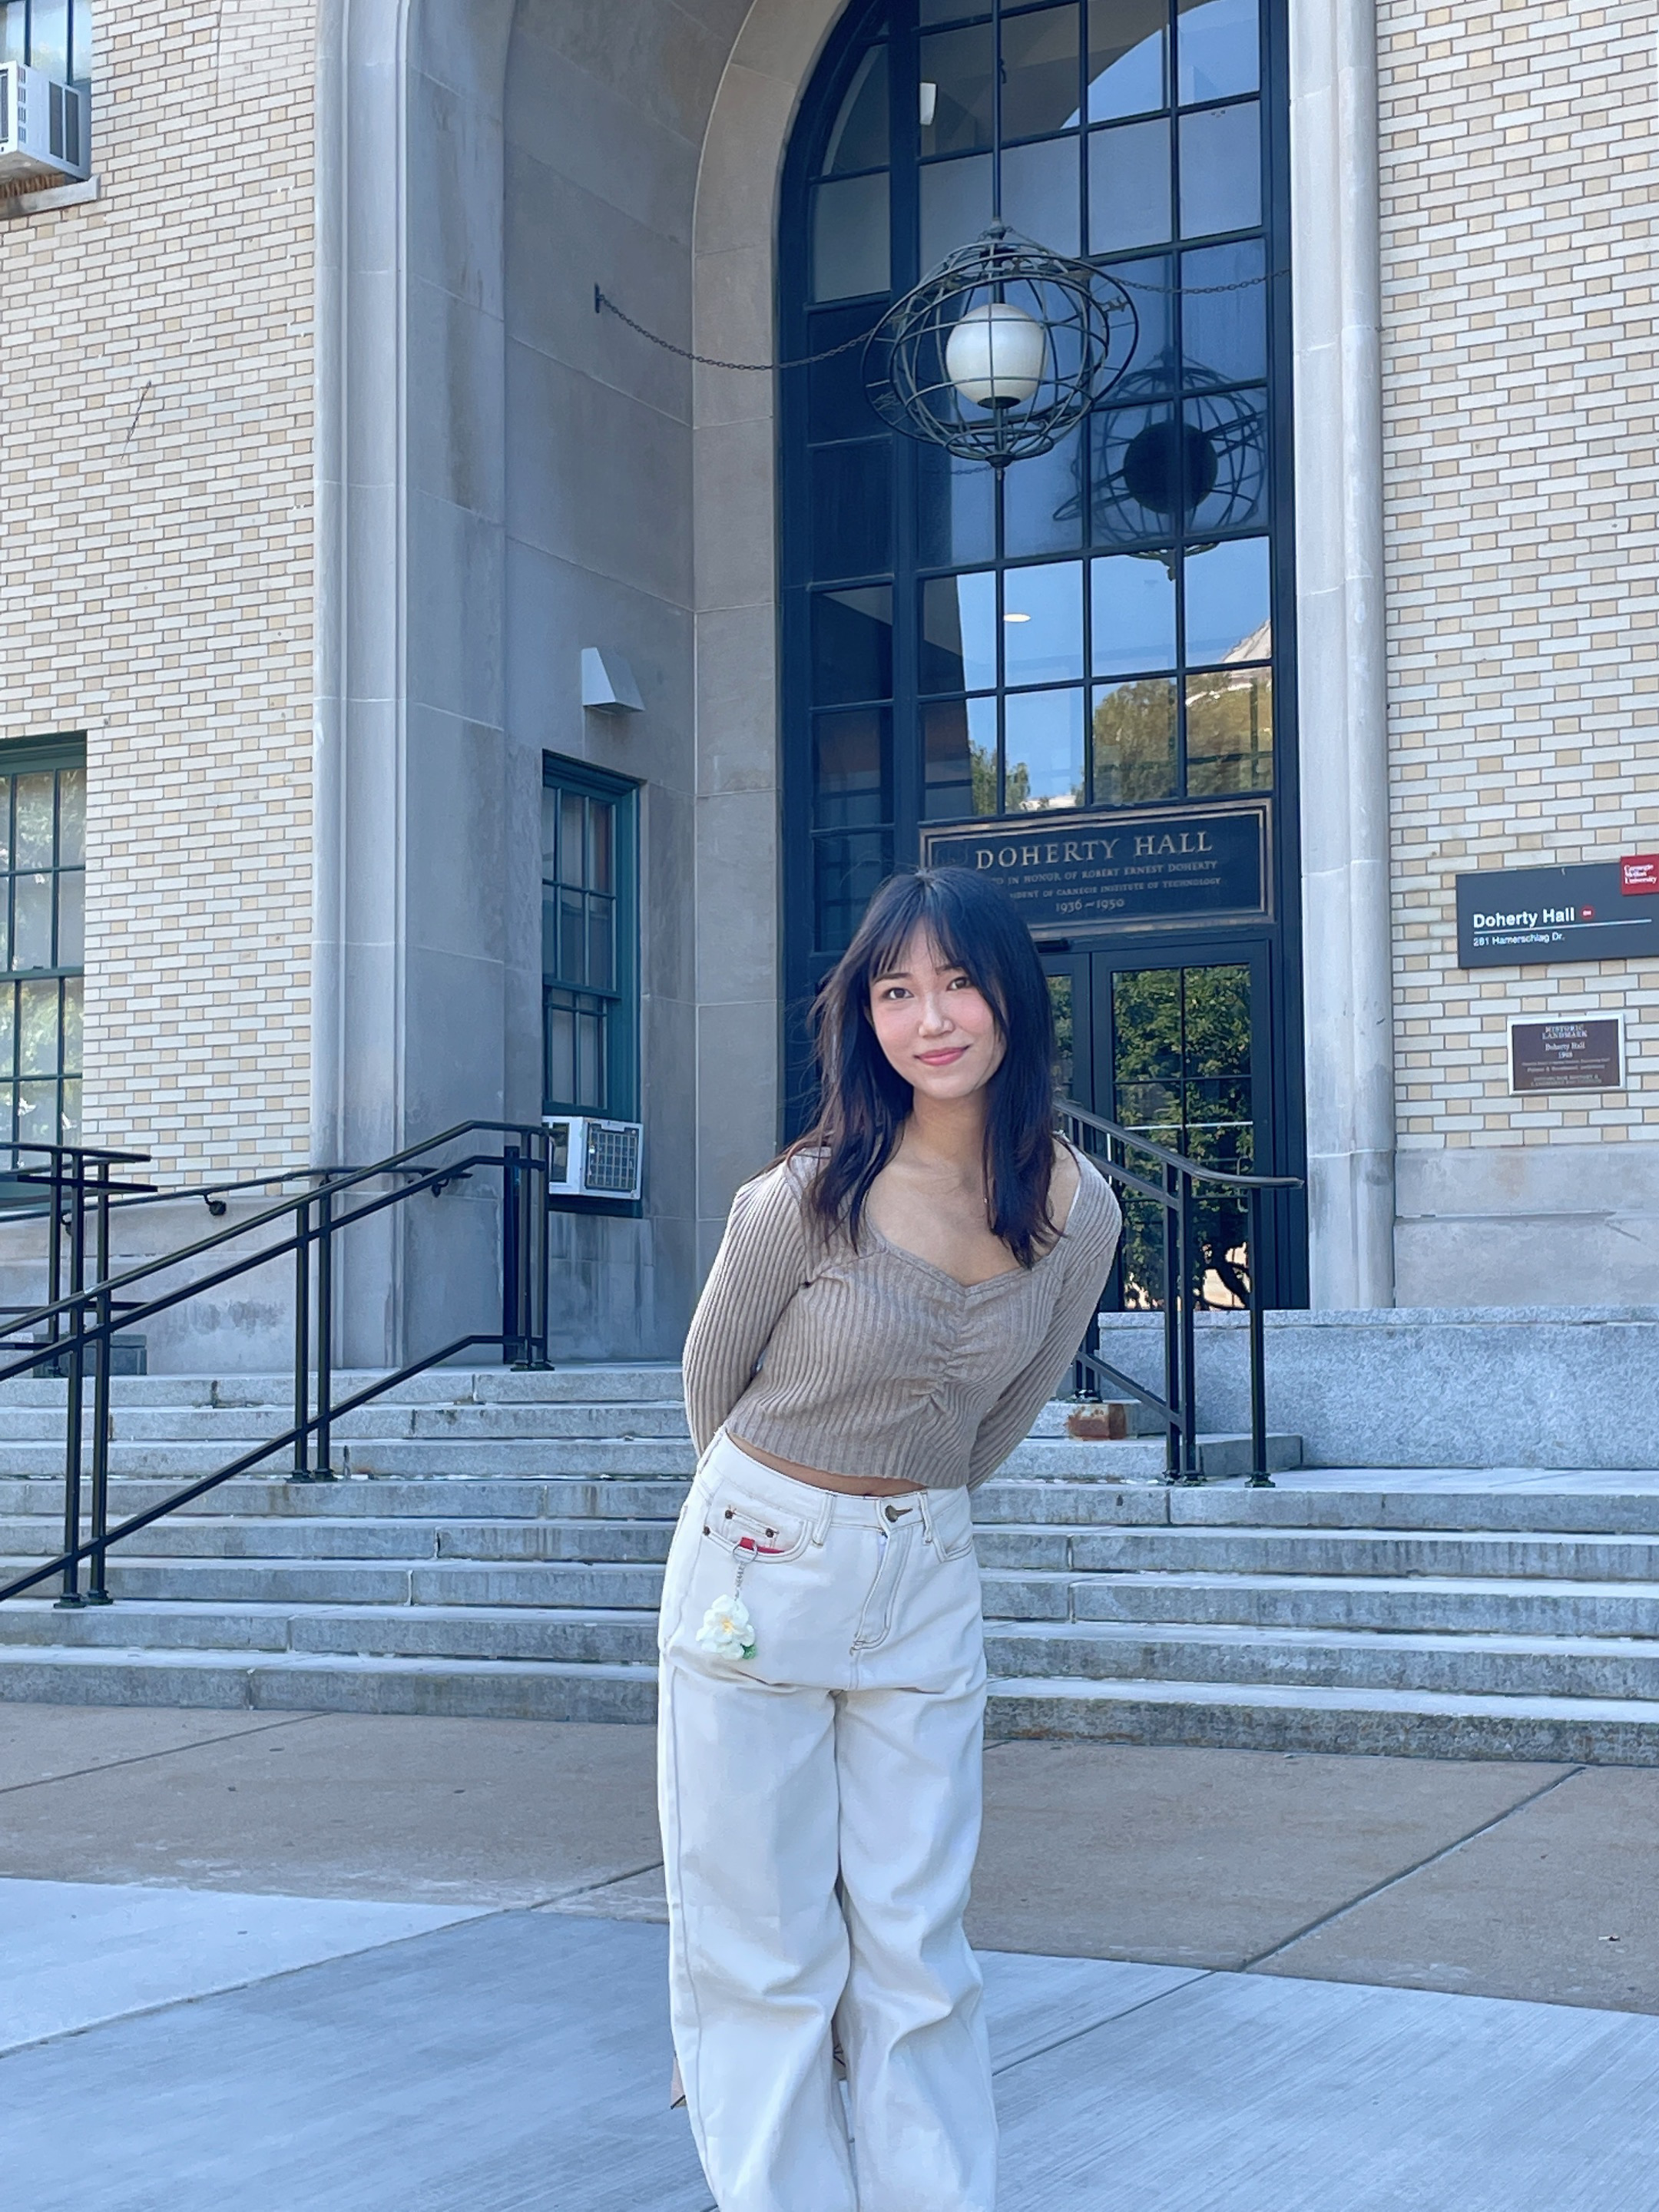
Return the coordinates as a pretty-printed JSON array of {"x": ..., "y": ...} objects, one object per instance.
[{"x": 1175, "y": 1044}]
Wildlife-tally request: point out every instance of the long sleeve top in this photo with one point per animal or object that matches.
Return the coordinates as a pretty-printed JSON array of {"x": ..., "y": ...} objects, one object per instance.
[{"x": 875, "y": 1362}]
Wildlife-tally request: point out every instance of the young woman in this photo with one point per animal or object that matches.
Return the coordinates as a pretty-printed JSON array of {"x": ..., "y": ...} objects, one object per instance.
[{"x": 892, "y": 1303}]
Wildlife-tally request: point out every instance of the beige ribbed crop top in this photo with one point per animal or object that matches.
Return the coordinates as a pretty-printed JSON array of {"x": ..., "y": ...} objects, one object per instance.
[{"x": 875, "y": 1361}]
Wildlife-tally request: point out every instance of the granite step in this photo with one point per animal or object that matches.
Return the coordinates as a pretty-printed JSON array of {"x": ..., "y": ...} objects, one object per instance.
[
  {"x": 1246, "y": 1716},
  {"x": 1298, "y": 1601},
  {"x": 1454, "y": 1665}
]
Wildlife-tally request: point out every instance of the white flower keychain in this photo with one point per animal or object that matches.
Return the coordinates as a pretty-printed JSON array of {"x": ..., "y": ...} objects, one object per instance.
[{"x": 728, "y": 1630}]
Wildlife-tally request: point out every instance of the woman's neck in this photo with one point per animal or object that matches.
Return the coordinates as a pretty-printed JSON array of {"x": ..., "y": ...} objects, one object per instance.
[{"x": 947, "y": 1134}]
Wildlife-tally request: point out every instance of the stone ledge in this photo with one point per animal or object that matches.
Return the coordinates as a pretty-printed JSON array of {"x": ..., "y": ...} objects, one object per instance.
[{"x": 18, "y": 205}]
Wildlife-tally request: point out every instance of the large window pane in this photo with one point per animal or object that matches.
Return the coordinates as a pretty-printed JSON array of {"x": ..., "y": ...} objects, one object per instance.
[
  {"x": 1043, "y": 750},
  {"x": 1223, "y": 312},
  {"x": 1040, "y": 72},
  {"x": 1134, "y": 615},
  {"x": 850, "y": 769},
  {"x": 1127, "y": 41},
  {"x": 1041, "y": 192},
  {"x": 1230, "y": 732},
  {"x": 851, "y": 506},
  {"x": 959, "y": 757},
  {"x": 71, "y": 917},
  {"x": 1042, "y": 623},
  {"x": 957, "y": 512},
  {"x": 858, "y": 137},
  {"x": 1227, "y": 603},
  {"x": 71, "y": 817},
  {"x": 1233, "y": 427},
  {"x": 31, "y": 942},
  {"x": 1129, "y": 188},
  {"x": 959, "y": 633},
  {"x": 1148, "y": 473},
  {"x": 852, "y": 644},
  {"x": 49, "y": 28},
  {"x": 847, "y": 868},
  {"x": 850, "y": 245},
  {"x": 955, "y": 205},
  {"x": 35, "y": 810},
  {"x": 1133, "y": 736},
  {"x": 1042, "y": 500},
  {"x": 1150, "y": 285},
  {"x": 956, "y": 80},
  {"x": 837, "y": 405},
  {"x": 37, "y": 1028},
  {"x": 1218, "y": 47},
  {"x": 1220, "y": 170}
]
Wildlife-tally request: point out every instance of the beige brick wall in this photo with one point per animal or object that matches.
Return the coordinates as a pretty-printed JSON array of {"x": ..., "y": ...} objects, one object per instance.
[
  {"x": 1520, "y": 184},
  {"x": 157, "y": 592}
]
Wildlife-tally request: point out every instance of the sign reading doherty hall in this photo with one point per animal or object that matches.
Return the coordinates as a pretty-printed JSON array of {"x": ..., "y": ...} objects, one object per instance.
[
  {"x": 1585, "y": 1054},
  {"x": 1070, "y": 871},
  {"x": 1533, "y": 917}
]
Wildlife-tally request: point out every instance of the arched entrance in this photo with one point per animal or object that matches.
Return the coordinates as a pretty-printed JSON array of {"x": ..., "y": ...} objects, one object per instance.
[{"x": 1080, "y": 678}]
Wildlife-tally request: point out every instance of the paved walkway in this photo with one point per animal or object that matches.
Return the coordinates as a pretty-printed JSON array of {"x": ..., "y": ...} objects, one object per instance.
[{"x": 516, "y": 2061}]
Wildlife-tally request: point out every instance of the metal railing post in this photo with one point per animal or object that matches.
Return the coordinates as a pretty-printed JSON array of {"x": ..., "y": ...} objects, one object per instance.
[
  {"x": 1172, "y": 1380},
  {"x": 1189, "y": 1468},
  {"x": 325, "y": 1461},
  {"x": 103, "y": 1353},
  {"x": 54, "y": 1245},
  {"x": 512, "y": 1349},
  {"x": 302, "y": 1340},
  {"x": 537, "y": 1192},
  {"x": 1259, "y": 1478},
  {"x": 75, "y": 1410}
]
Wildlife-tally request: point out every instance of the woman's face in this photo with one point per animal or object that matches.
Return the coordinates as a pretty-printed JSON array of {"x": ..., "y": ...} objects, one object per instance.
[{"x": 934, "y": 1027}]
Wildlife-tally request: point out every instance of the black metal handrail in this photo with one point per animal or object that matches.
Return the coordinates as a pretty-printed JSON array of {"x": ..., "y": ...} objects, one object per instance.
[
  {"x": 1151, "y": 1170},
  {"x": 83, "y": 1323}
]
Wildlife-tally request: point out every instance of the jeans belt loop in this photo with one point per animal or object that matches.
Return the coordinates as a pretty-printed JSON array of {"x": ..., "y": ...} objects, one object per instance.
[{"x": 924, "y": 1499}]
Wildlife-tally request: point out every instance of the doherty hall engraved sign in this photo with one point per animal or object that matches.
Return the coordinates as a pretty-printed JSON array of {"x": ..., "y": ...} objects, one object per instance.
[{"x": 1144, "y": 869}]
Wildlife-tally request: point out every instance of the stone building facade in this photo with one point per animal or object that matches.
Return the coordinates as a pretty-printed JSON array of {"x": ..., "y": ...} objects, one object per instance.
[{"x": 323, "y": 472}]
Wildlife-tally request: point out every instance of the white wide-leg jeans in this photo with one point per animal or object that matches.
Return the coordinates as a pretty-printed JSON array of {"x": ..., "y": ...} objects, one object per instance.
[{"x": 820, "y": 1812}]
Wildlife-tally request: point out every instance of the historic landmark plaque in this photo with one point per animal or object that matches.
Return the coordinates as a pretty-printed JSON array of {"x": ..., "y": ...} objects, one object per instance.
[
  {"x": 1584, "y": 1053},
  {"x": 1146, "y": 869}
]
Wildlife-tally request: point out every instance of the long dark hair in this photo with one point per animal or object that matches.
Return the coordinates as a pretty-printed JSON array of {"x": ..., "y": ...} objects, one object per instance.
[{"x": 864, "y": 1102}]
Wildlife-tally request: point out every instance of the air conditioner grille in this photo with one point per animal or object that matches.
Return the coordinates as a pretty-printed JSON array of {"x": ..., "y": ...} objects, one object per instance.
[{"x": 613, "y": 1158}]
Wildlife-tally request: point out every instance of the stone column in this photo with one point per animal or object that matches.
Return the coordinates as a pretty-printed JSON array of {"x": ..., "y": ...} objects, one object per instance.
[{"x": 1342, "y": 675}]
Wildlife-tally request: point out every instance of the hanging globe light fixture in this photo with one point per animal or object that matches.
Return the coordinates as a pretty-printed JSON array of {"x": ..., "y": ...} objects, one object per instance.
[
  {"x": 1163, "y": 463},
  {"x": 999, "y": 351}
]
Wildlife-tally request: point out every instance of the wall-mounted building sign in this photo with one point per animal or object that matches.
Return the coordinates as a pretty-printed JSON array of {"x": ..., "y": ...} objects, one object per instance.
[
  {"x": 1534, "y": 917},
  {"x": 1137, "y": 871},
  {"x": 1580, "y": 1054}
]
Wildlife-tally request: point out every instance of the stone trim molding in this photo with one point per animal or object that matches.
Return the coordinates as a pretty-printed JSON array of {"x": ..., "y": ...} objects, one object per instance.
[
  {"x": 1341, "y": 695},
  {"x": 15, "y": 207}
]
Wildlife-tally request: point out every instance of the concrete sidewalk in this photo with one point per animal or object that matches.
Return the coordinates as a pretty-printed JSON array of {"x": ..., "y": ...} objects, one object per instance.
[
  {"x": 518, "y": 2061},
  {"x": 1489, "y": 1877}
]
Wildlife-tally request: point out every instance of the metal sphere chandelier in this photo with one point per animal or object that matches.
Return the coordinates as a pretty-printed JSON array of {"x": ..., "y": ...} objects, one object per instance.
[
  {"x": 1161, "y": 459},
  {"x": 999, "y": 351}
]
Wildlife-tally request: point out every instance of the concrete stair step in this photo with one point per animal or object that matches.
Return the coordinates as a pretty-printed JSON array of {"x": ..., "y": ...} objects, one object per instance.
[
  {"x": 459, "y": 1498},
  {"x": 1471, "y": 1606},
  {"x": 303, "y": 1682},
  {"x": 581, "y": 1382},
  {"x": 200, "y": 1537},
  {"x": 1265, "y": 1717},
  {"x": 579, "y": 1634},
  {"x": 1221, "y": 1549},
  {"x": 1625, "y": 1667},
  {"x": 634, "y": 1586},
  {"x": 1242, "y": 1716},
  {"x": 412, "y": 1458}
]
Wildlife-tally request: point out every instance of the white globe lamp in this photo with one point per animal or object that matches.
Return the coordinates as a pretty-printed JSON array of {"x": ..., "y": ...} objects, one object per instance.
[{"x": 995, "y": 356}]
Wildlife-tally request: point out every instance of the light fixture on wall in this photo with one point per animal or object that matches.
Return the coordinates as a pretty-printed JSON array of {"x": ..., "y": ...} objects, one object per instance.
[{"x": 608, "y": 685}]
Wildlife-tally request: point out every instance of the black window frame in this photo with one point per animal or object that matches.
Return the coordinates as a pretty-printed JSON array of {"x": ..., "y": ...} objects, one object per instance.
[
  {"x": 620, "y": 1002},
  {"x": 23, "y": 757}
]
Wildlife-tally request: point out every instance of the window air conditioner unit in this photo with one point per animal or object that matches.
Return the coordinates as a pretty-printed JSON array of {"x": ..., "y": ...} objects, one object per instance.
[
  {"x": 43, "y": 128},
  {"x": 592, "y": 1158}
]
